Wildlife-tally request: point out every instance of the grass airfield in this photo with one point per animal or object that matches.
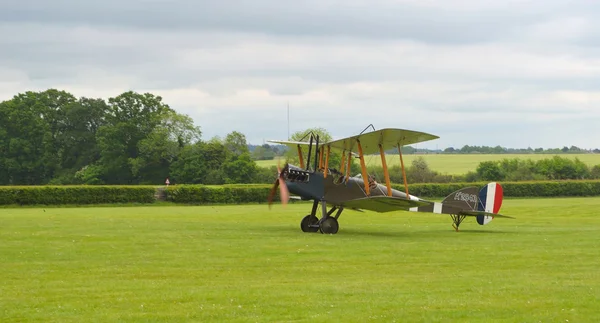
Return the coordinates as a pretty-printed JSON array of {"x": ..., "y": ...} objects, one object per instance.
[
  {"x": 456, "y": 164},
  {"x": 249, "y": 264}
]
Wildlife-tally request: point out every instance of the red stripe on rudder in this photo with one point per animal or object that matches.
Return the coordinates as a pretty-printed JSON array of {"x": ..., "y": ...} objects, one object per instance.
[{"x": 498, "y": 198}]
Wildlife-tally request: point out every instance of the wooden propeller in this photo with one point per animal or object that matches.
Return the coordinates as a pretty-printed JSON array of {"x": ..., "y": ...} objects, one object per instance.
[{"x": 283, "y": 190}]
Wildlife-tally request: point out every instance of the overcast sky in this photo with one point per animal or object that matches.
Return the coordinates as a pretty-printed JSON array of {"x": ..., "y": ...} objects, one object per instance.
[{"x": 477, "y": 72}]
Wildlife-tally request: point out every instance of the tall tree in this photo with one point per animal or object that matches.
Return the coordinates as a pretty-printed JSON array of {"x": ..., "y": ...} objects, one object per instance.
[
  {"x": 161, "y": 147},
  {"x": 77, "y": 142},
  {"x": 236, "y": 143},
  {"x": 31, "y": 123},
  {"x": 131, "y": 118}
]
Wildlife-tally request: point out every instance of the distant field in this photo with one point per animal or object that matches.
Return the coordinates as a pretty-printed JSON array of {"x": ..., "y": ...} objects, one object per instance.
[
  {"x": 458, "y": 164},
  {"x": 249, "y": 264}
]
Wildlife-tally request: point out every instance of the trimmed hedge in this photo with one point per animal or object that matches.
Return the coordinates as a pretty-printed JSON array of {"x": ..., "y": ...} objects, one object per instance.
[
  {"x": 205, "y": 194},
  {"x": 77, "y": 195},
  {"x": 219, "y": 194},
  {"x": 512, "y": 189},
  {"x": 254, "y": 193}
]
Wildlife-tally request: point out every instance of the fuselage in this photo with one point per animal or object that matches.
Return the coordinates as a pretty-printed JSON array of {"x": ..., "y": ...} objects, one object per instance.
[{"x": 336, "y": 188}]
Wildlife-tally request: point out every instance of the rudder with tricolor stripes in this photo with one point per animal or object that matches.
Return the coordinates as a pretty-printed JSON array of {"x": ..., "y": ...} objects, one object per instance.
[{"x": 490, "y": 201}]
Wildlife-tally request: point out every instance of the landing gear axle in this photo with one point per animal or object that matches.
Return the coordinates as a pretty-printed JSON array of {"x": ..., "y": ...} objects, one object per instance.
[{"x": 327, "y": 224}]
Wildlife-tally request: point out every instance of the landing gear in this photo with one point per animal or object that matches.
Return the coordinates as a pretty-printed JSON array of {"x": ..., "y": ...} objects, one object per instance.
[
  {"x": 457, "y": 220},
  {"x": 310, "y": 223},
  {"x": 327, "y": 224}
]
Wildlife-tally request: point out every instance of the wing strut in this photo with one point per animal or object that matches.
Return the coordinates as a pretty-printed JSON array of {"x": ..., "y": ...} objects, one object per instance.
[
  {"x": 363, "y": 168},
  {"x": 317, "y": 156},
  {"x": 343, "y": 163},
  {"x": 321, "y": 156},
  {"x": 326, "y": 162},
  {"x": 349, "y": 165},
  {"x": 300, "y": 156},
  {"x": 309, "y": 152},
  {"x": 386, "y": 174},
  {"x": 403, "y": 172}
]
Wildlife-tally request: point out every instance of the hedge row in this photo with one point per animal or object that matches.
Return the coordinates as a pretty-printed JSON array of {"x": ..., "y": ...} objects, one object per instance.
[
  {"x": 513, "y": 189},
  {"x": 254, "y": 193},
  {"x": 77, "y": 195},
  {"x": 202, "y": 194},
  {"x": 225, "y": 194}
]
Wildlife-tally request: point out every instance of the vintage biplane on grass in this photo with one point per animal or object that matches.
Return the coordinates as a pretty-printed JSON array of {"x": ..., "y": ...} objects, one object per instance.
[{"x": 325, "y": 185}]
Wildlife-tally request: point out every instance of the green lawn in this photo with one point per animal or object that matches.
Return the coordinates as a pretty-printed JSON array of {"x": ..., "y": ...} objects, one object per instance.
[
  {"x": 457, "y": 164},
  {"x": 249, "y": 264}
]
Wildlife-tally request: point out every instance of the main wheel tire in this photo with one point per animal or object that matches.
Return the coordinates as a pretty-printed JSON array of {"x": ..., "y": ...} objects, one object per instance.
[
  {"x": 329, "y": 226},
  {"x": 308, "y": 220}
]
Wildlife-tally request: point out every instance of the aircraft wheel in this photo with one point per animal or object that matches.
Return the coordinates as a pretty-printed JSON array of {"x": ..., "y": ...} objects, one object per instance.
[
  {"x": 306, "y": 221},
  {"x": 329, "y": 226}
]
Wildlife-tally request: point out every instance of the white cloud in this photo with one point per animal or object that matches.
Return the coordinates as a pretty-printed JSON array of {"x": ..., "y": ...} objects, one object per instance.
[{"x": 472, "y": 72}]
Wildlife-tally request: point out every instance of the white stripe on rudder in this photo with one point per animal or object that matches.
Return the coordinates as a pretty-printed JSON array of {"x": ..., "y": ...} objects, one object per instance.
[{"x": 489, "y": 199}]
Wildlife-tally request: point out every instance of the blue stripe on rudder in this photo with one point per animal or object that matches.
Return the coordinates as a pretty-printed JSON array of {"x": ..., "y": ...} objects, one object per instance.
[
  {"x": 480, "y": 219},
  {"x": 482, "y": 199}
]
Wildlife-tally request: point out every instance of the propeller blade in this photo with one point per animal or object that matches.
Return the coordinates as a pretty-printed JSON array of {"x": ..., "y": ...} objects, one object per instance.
[
  {"x": 279, "y": 182},
  {"x": 273, "y": 191},
  {"x": 283, "y": 191}
]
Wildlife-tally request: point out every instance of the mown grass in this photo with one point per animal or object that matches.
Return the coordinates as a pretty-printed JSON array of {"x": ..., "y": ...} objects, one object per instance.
[
  {"x": 457, "y": 164},
  {"x": 248, "y": 264}
]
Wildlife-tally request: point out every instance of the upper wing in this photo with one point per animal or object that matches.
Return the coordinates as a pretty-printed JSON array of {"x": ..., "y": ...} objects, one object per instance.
[
  {"x": 389, "y": 138},
  {"x": 292, "y": 144},
  {"x": 382, "y": 203}
]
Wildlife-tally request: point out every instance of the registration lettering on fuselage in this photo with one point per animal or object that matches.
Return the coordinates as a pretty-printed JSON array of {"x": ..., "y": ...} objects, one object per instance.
[{"x": 460, "y": 196}]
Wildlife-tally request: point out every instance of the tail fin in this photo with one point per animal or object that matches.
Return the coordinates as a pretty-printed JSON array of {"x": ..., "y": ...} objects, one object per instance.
[
  {"x": 490, "y": 201},
  {"x": 484, "y": 203}
]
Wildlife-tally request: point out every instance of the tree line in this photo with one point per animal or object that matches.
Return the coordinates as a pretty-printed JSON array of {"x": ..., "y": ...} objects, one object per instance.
[
  {"x": 53, "y": 137},
  {"x": 466, "y": 149}
]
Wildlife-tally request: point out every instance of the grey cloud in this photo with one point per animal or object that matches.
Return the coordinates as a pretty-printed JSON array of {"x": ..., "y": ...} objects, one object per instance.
[
  {"x": 168, "y": 59},
  {"x": 456, "y": 23}
]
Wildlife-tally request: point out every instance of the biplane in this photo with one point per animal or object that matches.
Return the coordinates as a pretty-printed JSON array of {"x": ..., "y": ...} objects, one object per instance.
[{"x": 325, "y": 185}]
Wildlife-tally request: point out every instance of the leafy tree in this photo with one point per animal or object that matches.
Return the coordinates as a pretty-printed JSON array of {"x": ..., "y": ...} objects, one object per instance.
[
  {"x": 240, "y": 169},
  {"x": 31, "y": 123},
  {"x": 90, "y": 175},
  {"x": 200, "y": 163},
  {"x": 419, "y": 172},
  {"x": 77, "y": 142},
  {"x": 265, "y": 175},
  {"x": 161, "y": 147},
  {"x": 190, "y": 165},
  {"x": 595, "y": 172},
  {"x": 236, "y": 144},
  {"x": 489, "y": 171},
  {"x": 131, "y": 118},
  {"x": 562, "y": 168},
  {"x": 264, "y": 152}
]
